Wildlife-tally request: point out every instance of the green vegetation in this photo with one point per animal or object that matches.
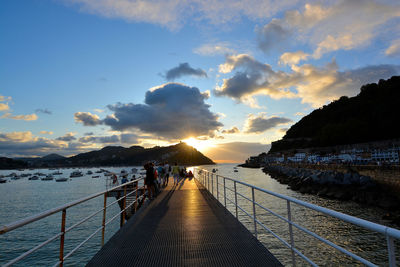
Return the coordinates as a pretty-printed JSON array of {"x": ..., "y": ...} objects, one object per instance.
[{"x": 372, "y": 115}]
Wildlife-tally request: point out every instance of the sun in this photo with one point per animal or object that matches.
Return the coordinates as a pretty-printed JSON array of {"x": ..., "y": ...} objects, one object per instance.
[{"x": 200, "y": 145}]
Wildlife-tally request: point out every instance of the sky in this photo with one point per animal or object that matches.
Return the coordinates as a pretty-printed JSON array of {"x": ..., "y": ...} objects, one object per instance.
[{"x": 228, "y": 77}]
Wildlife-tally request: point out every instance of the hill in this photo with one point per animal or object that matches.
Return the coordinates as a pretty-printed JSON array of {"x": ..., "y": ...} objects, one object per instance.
[
  {"x": 370, "y": 116},
  {"x": 7, "y": 163},
  {"x": 136, "y": 155}
]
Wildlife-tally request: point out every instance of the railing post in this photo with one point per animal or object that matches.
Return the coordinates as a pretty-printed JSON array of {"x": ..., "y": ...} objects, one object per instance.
[
  {"x": 291, "y": 232},
  {"x": 124, "y": 205},
  {"x": 62, "y": 237},
  {"x": 212, "y": 183},
  {"x": 254, "y": 212},
  {"x": 217, "y": 189},
  {"x": 234, "y": 185},
  {"x": 136, "y": 196},
  {"x": 392, "y": 255},
  {"x": 103, "y": 223},
  {"x": 208, "y": 181},
  {"x": 224, "y": 193}
]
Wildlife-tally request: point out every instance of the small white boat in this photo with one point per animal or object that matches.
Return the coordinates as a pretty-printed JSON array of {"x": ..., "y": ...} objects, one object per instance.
[
  {"x": 3, "y": 181},
  {"x": 61, "y": 179},
  {"x": 57, "y": 173},
  {"x": 96, "y": 176},
  {"x": 89, "y": 172},
  {"x": 33, "y": 178}
]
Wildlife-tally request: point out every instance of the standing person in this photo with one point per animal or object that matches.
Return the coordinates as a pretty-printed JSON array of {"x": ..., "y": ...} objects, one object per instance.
[
  {"x": 149, "y": 180},
  {"x": 160, "y": 171},
  {"x": 166, "y": 175},
  {"x": 175, "y": 173}
]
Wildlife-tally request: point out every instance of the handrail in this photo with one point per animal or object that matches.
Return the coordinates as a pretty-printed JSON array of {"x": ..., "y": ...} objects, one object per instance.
[
  {"x": 344, "y": 217},
  {"x": 20, "y": 223},
  {"x": 9, "y": 227},
  {"x": 389, "y": 232}
]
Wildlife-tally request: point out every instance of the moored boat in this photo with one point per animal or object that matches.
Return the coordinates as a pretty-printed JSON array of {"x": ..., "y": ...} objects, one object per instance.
[
  {"x": 33, "y": 178},
  {"x": 76, "y": 174},
  {"x": 89, "y": 172},
  {"x": 2, "y": 181},
  {"x": 47, "y": 178},
  {"x": 96, "y": 176},
  {"x": 63, "y": 179}
]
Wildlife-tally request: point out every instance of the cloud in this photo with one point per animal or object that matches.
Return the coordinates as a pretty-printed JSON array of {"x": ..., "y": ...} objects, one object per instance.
[
  {"x": 214, "y": 49},
  {"x": 29, "y": 117},
  {"x": 236, "y": 151},
  {"x": 233, "y": 130},
  {"x": 44, "y": 111},
  {"x": 394, "y": 48},
  {"x": 183, "y": 69},
  {"x": 299, "y": 114},
  {"x": 171, "y": 111},
  {"x": 4, "y": 107},
  {"x": 5, "y": 98},
  {"x": 251, "y": 78},
  {"x": 46, "y": 132},
  {"x": 129, "y": 138},
  {"x": 87, "y": 118},
  {"x": 283, "y": 130},
  {"x": 272, "y": 35},
  {"x": 174, "y": 13},
  {"x": 344, "y": 25},
  {"x": 100, "y": 139},
  {"x": 67, "y": 137},
  {"x": 292, "y": 58},
  {"x": 314, "y": 85},
  {"x": 14, "y": 144},
  {"x": 89, "y": 133},
  {"x": 261, "y": 123}
]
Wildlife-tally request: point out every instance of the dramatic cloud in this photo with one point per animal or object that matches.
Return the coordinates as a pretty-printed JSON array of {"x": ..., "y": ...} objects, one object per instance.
[
  {"x": 233, "y": 130},
  {"x": 261, "y": 123},
  {"x": 67, "y": 137},
  {"x": 184, "y": 69},
  {"x": 29, "y": 117},
  {"x": 214, "y": 49},
  {"x": 174, "y": 13},
  {"x": 345, "y": 25},
  {"x": 235, "y": 151},
  {"x": 87, "y": 118},
  {"x": 44, "y": 111},
  {"x": 314, "y": 85},
  {"x": 394, "y": 48},
  {"x": 46, "y": 132},
  {"x": 172, "y": 111}
]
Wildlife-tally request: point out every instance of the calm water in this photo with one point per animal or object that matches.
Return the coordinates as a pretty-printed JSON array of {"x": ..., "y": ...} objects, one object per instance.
[{"x": 22, "y": 198}]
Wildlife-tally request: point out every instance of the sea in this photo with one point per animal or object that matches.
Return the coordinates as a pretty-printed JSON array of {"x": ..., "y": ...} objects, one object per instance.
[{"x": 22, "y": 198}]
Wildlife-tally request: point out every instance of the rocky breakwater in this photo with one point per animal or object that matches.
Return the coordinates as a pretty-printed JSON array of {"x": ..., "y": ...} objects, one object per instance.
[{"x": 337, "y": 185}]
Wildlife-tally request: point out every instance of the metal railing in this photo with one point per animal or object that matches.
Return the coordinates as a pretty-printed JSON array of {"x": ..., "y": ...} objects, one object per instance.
[
  {"x": 204, "y": 177},
  {"x": 63, "y": 209}
]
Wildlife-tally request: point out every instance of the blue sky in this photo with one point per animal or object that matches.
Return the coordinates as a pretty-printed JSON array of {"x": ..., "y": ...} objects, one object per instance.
[{"x": 76, "y": 75}]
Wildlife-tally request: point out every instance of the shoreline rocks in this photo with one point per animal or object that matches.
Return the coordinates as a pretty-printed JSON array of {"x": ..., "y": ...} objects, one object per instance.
[{"x": 337, "y": 185}]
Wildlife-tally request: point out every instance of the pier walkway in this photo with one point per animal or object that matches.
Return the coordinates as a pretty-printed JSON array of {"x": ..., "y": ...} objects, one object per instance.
[{"x": 184, "y": 226}]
